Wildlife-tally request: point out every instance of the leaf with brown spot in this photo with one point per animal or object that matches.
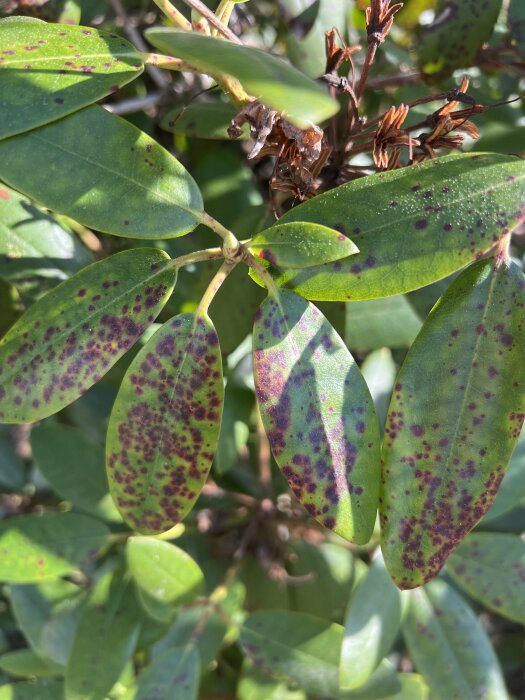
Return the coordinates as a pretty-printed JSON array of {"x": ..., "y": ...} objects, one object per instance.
[
  {"x": 72, "y": 336},
  {"x": 301, "y": 244},
  {"x": 454, "y": 419},
  {"x": 165, "y": 424},
  {"x": 412, "y": 226},
  {"x": 490, "y": 567},
  {"x": 51, "y": 70},
  {"x": 318, "y": 414}
]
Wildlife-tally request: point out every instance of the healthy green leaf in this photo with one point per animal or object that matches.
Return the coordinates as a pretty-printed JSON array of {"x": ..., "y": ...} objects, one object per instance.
[
  {"x": 165, "y": 424},
  {"x": 50, "y": 70},
  {"x": 254, "y": 685},
  {"x": 412, "y": 226},
  {"x": 318, "y": 414},
  {"x": 164, "y": 572},
  {"x": 238, "y": 407},
  {"x": 32, "y": 243},
  {"x": 491, "y": 568},
  {"x": 48, "y": 614},
  {"x": 309, "y": 53},
  {"x": 266, "y": 77},
  {"x": 379, "y": 371},
  {"x": 144, "y": 193},
  {"x": 450, "y": 647},
  {"x": 294, "y": 647},
  {"x": 71, "y": 337},
  {"x": 298, "y": 245},
  {"x": 454, "y": 420},
  {"x": 516, "y": 22},
  {"x": 173, "y": 674},
  {"x": 204, "y": 120},
  {"x": 25, "y": 663},
  {"x": 302, "y": 649},
  {"x": 74, "y": 466},
  {"x": 512, "y": 489},
  {"x": 38, "y": 547},
  {"x": 12, "y": 467},
  {"x": 455, "y": 36},
  {"x": 42, "y": 690},
  {"x": 372, "y": 622},
  {"x": 105, "y": 640},
  {"x": 380, "y": 323}
]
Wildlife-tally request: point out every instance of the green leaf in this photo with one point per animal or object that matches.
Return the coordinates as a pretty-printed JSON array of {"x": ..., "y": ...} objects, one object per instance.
[
  {"x": 512, "y": 489},
  {"x": 38, "y": 547},
  {"x": 165, "y": 424},
  {"x": 294, "y": 647},
  {"x": 266, "y": 77},
  {"x": 72, "y": 336},
  {"x": 238, "y": 407},
  {"x": 379, "y": 371},
  {"x": 454, "y": 420},
  {"x": 105, "y": 640},
  {"x": 372, "y": 622},
  {"x": 42, "y": 690},
  {"x": 173, "y": 674},
  {"x": 12, "y": 466},
  {"x": 25, "y": 663},
  {"x": 455, "y": 36},
  {"x": 379, "y": 323},
  {"x": 164, "y": 573},
  {"x": 412, "y": 226},
  {"x": 74, "y": 466},
  {"x": 516, "y": 22},
  {"x": 309, "y": 53},
  {"x": 51, "y": 70},
  {"x": 32, "y": 243},
  {"x": 304, "y": 650},
  {"x": 450, "y": 647},
  {"x": 331, "y": 569},
  {"x": 318, "y": 414},
  {"x": 144, "y": 193},
  {"x": 48, "y": 615},
  {"x": 491, "y": 568},
  {"x": 301, "y": 244},
  {"x": 254, "y": 685},
  {"x": 202, "y": 120}
]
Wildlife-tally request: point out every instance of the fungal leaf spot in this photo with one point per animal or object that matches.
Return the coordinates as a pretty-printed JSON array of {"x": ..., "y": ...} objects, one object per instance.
[{"x": 318, "y": 414}]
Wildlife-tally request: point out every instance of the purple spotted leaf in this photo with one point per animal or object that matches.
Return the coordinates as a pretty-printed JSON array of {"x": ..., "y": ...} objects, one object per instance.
[
  {"x": 51, "y": 70},
  {"x": 165, "y": 424},
  {"x": 412, "y": 226},
  {"x": 72, "y": 336},
  {"x": 301, "y": 244},
  {"x": 454, "y": 419},
  {"x": 103, "y": 172},
  {"x": 318, "y": 414}
]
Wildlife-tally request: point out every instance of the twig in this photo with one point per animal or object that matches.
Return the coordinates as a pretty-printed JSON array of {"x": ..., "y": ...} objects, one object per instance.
[
  {"x": 134, "y": 104},
  {"x": 394, "y": 80},
  {"x": 265, "y": 468},
  {"x": 160, "y": 79},
  {"x": 213, "y": 20}
]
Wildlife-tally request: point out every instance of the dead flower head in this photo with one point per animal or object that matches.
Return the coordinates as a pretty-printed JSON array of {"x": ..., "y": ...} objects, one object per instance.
[
  {"x": 390, "y": 136},
  {"x": 379, "y": 19}
]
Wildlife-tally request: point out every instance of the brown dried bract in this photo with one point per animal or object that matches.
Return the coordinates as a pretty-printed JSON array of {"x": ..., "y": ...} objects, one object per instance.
[{"x": 379, "y": 19}]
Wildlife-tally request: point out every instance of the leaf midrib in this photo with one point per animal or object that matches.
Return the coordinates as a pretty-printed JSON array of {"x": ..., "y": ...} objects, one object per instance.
[{"x": 40, "y": 59}]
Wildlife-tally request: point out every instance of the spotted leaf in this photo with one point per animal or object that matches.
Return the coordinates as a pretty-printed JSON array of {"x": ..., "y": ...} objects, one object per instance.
[
  {"x": 318, "y": 414},
  {"x": 71, "y": 337},
  {"x": 165, "y": 424},
  {"x": 453, "y": 421},
  {"x": 456, "y": 35},
  {"x": 105, "y": 173},
  {"x": 490, "y": 566},
  {"x": 301, "y": 244},
  {"x": 50, "y": 70},
  {"x": 449, "y": 646},
  {"x": 270, "y": 79},
  {"x": 174, "y": 673},
  {"x": 412, "y": 226}
]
